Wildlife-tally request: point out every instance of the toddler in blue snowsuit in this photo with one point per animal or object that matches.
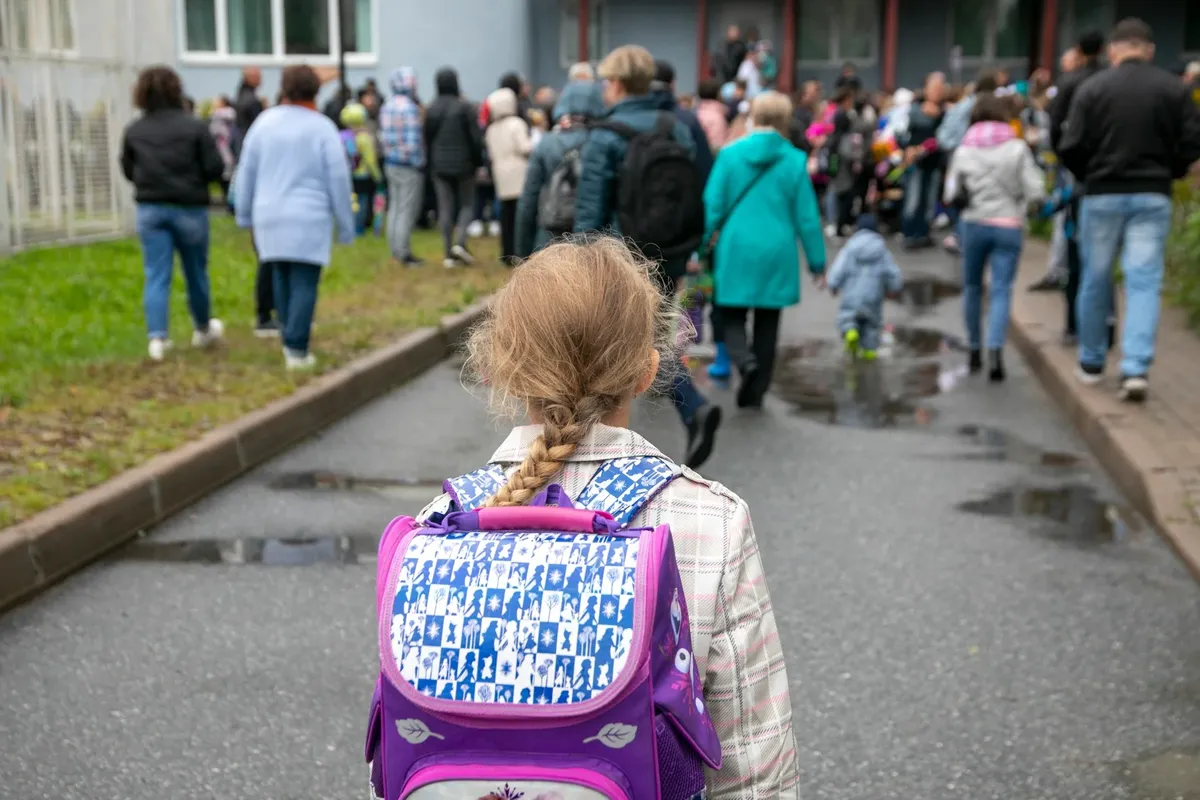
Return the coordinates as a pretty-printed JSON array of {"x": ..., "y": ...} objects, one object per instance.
[{"x": 863, "y": 274}]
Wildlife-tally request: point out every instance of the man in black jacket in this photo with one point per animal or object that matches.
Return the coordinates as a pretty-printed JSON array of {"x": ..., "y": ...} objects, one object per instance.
[
  {"x": 1131, "y": 131},
  {"x": 248, "y": 107},
  {"x": 454, "y": 148},
  {"x": 246, "y": 101},
  {"x": 1089, "y": 47},
  {"x": 663, "y": 88}
]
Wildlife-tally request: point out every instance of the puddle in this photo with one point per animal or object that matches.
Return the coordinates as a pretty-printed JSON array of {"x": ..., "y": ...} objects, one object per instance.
[
  {"x": 1166, "y": 776},
  {"x": 1000, "y": 445},
  {"x": 298, "y": 552},
  {"x": 921, "y": 293},
  {"x": 322, "y": 480},
  {"x": 1072, "y": 513}
]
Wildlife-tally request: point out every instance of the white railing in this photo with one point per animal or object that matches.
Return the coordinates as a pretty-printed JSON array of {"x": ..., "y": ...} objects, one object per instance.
[{"x": 67, "y": 69}]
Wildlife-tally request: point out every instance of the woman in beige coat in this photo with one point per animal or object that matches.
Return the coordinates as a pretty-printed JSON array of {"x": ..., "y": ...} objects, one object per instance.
[{"x": 508, "y": 146}]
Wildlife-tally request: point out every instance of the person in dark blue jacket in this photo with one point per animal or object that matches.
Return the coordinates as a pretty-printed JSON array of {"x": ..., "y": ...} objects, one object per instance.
[{"x": 663, "y": 88}]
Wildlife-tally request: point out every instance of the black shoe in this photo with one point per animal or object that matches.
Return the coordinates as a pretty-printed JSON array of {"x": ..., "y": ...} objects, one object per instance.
[
  {"x": 267, "y": 330},
  {"x": 1089, "y": 374},
  {"x": 975, "y": 361},
  {"x": 702, "y": 435},
  {"x": 747, "y": 393},
  {"x": 1050, "y": 283},
  {"x": 996, "y": 366},
  {"x": 1133, "y": 388},
  {"x": 918, "y": 243},
  {"x": 412, "y": 261},
  {"x": 1112, "y": 334}
]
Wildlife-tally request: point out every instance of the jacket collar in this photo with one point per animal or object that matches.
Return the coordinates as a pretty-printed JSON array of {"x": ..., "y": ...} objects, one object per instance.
[
  {"x": 601, "y": 444},
  {"x": 646, "y": 101}
]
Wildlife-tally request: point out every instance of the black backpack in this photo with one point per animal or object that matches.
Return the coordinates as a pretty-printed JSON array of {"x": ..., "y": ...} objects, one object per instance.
[
  {"x": 659, "y": 191},
  {"x": 556, "y": 202}
]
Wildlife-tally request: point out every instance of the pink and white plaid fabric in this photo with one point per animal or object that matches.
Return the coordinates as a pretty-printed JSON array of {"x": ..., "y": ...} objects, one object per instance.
[{"x": 734, "y": 636}]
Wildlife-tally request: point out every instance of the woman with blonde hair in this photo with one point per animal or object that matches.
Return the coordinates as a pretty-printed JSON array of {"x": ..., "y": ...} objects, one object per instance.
[{"x": 759, "y": 201}]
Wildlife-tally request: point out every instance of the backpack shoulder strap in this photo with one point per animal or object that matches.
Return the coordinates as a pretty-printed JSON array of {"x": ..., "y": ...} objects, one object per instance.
[
  {"x": 619, "y": 128},
  {"x": 468, "y": 492},
  {"x": 665, "y": 124},
  {"x": 623, "y": 486}
]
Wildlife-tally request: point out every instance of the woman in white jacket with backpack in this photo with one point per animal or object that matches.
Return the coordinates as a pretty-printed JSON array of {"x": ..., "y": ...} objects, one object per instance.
[
  {"x": 509, "y": 145},
  {"x": 992, "y": 179}
]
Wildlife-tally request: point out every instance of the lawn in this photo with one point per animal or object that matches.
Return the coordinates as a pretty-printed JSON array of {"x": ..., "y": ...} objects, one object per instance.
[
  {"x": 1183, "y": 252},
  {"x": 79, "y": 400}
]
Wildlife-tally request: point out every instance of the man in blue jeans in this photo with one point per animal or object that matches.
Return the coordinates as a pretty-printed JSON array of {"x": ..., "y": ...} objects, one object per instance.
[{"x": 1131, "y": 130}]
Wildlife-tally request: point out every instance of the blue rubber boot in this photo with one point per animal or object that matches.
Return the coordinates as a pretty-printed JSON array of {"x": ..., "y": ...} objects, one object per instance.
[{"x": 719, "y": 369}]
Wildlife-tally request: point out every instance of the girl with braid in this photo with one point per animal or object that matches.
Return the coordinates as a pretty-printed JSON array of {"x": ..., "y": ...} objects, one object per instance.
[{"x": 578, "y": 333}]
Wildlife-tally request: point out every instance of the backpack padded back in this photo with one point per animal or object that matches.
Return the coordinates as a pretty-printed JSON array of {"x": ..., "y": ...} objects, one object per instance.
[
  {"x": 350, "y": 143},
  {"x": 659, "y": 193},
  {"x": 556, "y": 203}
]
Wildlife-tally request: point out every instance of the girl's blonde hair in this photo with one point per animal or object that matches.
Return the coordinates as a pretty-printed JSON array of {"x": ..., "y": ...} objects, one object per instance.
[{"x": 570, "y": 339}]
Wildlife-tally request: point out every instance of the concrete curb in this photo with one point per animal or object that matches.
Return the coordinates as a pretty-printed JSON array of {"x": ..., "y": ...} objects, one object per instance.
[
  {"x": 1156, "y": 488},
  {"x": 46, "y": 548}
]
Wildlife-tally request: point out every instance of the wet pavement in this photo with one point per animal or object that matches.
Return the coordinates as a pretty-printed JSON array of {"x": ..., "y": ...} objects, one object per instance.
[{"x": 969, "y": 609}]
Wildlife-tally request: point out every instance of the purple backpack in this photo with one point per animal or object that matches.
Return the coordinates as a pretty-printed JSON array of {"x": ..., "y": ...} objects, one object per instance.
[{"x": 539, "y": 652}]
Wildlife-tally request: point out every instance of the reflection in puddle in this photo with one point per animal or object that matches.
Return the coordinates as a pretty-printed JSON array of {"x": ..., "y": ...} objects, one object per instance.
[
  {"x": 922, "y": 293},
  {"x": 1003, "y": 446},
  {"x": 299, "y": 552},
  {"x": 1070, "y": 513}
]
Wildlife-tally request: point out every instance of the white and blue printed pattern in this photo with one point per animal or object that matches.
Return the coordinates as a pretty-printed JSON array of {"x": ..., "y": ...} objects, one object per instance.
[
  {"x": 623, "y": 485},
  {"x": 472, "y": 490},
  {"x": 514, "y": 617}
]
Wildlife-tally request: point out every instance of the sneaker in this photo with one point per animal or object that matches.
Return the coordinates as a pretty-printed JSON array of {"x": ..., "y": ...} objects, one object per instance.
[
  {"x": 207, "y": 338},
  {"x": 950, "y": 244},
  {"x": 702, "y": 435},
  {"x": 462, "y": 254},
  {"x": 450, "y": 262},
  {"x": 493, "y": 229},
  {"x": 1050, "y": 283},
  {"x": 475, "y": 229},
  {"x": 831, "y": 231},
  {"x": 412, "y": 261},
  {"x": 158, "y": 348},
  {"x": 1089, "y": 374},
  {"x": 294, "y": 360},
  {"x": 1133, "y": 389},
  {"x": 267, "y": 330}
]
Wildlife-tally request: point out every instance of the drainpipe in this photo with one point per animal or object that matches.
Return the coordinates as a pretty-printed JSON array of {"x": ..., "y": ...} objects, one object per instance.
[
  {"x": 891, "y": 35},
  {"x": 702, "y": 56},
  {"x": 787, "y": 57},
  {"x": 585, "y": 19},
  {"x": 1049, "y": 33}
]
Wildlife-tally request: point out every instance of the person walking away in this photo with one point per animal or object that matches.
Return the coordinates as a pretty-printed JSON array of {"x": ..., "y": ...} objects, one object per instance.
[
  {"x": 758, "y": 203},
  {"x": 293, "y": 189},
  {"x": 924, "y": 160},
  {"x": 638, "y": 179},
  {"x": 547, "y": 205},
  {"x": 403, "y": 140},
  {"x": 863, "y": 275},
  {"x": 453, "y": 142},
  {"x": 951, "y": 132},
  {"x": 171, "y": 158},
  {"x": 992, "y": 179},
  {"x": 365, "y": 175},
  {"x": 849, "y": 149},
  {"x": 222, "y": 125},
  {"x": 575, "y": 336},
  {"x": 249, "y": 106},
  {"x": 663, "y": 88},
  {"x": 750, "y": 74},
  {"x": 508, "y": 146},
  {"x": 711, "y": 115},
  {"x": 1131, "y": 131},
  {"x": 732, "y": 54}
]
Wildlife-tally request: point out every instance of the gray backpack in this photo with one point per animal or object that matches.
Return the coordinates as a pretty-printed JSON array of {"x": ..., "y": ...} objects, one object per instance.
[{"x": 556, "y": 203}]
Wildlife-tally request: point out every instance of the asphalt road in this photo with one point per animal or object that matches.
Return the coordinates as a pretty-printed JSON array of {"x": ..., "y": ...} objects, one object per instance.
[{"x": 946, "y": 636}]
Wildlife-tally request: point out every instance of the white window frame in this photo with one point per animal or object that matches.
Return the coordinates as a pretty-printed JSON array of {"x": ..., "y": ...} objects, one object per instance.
[
  {"x": 1190, "y": 55},
  {"x": 38, "y": 32},
  {"x": 835, "y": 41},
  {"x": 278, "y": 56},
  {"x": 989, "y": 57},
  {"x": 568, "y": 31}
]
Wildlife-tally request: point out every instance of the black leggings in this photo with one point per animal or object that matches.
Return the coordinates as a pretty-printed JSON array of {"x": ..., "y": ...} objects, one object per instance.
[
  {"x": 508, "y": 230},
  {"x": 758, "y": 352}
]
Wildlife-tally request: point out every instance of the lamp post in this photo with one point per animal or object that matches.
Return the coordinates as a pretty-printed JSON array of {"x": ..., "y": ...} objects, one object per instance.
[{"x": 343, "y": 24}]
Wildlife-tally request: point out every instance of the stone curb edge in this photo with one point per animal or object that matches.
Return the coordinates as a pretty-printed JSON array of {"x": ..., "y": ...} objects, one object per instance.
[
  {"x": 1156, "y": 491},
  {"x": 38, "y": 552}
]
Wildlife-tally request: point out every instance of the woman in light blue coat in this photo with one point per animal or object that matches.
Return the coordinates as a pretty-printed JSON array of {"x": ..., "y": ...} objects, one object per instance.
[{"x": 758, "y": 202}]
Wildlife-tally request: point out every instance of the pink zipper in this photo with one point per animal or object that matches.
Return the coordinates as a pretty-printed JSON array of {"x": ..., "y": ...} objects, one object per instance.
[{"x": 481, "y": 772}]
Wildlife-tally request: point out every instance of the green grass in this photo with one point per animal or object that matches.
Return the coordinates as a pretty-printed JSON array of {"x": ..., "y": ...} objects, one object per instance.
[
  {"x": 79, "y": 401},
  {"x": 1183, "y": 253}
]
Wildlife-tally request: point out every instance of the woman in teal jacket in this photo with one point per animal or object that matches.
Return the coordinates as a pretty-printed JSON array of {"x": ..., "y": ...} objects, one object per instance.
[{"x": 758, "y": 202}]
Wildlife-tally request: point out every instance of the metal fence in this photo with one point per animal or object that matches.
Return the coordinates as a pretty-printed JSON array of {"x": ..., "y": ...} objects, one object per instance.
[{"x": 66, "y": 71}]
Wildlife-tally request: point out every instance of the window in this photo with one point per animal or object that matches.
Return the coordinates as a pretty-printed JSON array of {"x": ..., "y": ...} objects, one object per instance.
[
  {"x": 39, "y": 26},
  {"x": 836, "y": 32},
  {"x": 992, "y": 30},
  {"x": 1191, "y": 30},
  {"x": 568, "y": 39},
  {"x": 284, "y": 31}
]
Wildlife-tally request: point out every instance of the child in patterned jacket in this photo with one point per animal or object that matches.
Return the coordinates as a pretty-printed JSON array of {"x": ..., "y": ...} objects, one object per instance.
[{"x": 577, "y": 334}]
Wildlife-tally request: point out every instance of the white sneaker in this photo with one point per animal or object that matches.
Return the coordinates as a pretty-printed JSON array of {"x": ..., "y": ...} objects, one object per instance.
[
  {"x": 475, "y": 229},
  {"x": 214, "y": 334},
  {"x": 831, "y": 231},
  {"x": 462, "y": 254},
  {"x": 158, "y": 348},
  {"x": 452, "y": 263},
  {"x": 493, "y": 229},
  {"x": 298, "y": 361}
]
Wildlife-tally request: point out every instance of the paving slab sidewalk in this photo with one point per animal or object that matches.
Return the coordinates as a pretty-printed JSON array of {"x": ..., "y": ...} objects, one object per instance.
[{"x": 1152, "y": 450}]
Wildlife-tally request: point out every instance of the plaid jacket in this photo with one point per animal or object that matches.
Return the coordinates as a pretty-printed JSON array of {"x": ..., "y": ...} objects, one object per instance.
[
  {"x": 401, "y": 134},
  {"x": 734, "y": 637}
]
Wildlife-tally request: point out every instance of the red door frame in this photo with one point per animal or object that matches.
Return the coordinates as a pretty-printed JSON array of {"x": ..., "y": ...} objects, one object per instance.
[
  {"x": 585, "y": 18},
  {"x": 891, "y": 37},
  {"x": 1049, "y": 33},
  {"x": 787, "y": 56},
  {"x": 702, "y": 55}
]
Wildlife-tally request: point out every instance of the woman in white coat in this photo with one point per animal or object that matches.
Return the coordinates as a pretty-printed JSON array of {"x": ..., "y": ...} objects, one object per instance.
[{"x": 509, "y": 146}]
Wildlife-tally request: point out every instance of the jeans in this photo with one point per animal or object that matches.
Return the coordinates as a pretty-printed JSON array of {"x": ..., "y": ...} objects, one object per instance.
[
  {"x": 920, "y": 196},
  {"x": 999, "y": 248},
  {"x": 163, "y": 231},
  {"x": 1136, "y": 226},
  {"x": 758, "y": 351},
  {"x": 406, "y": 190},
  {"x": 296, "y": 298},
  {"x": 454, "y": 198}
]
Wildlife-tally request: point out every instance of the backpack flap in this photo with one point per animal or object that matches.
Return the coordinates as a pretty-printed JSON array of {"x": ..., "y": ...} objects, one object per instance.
[{"x": 511, "y": 614}]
